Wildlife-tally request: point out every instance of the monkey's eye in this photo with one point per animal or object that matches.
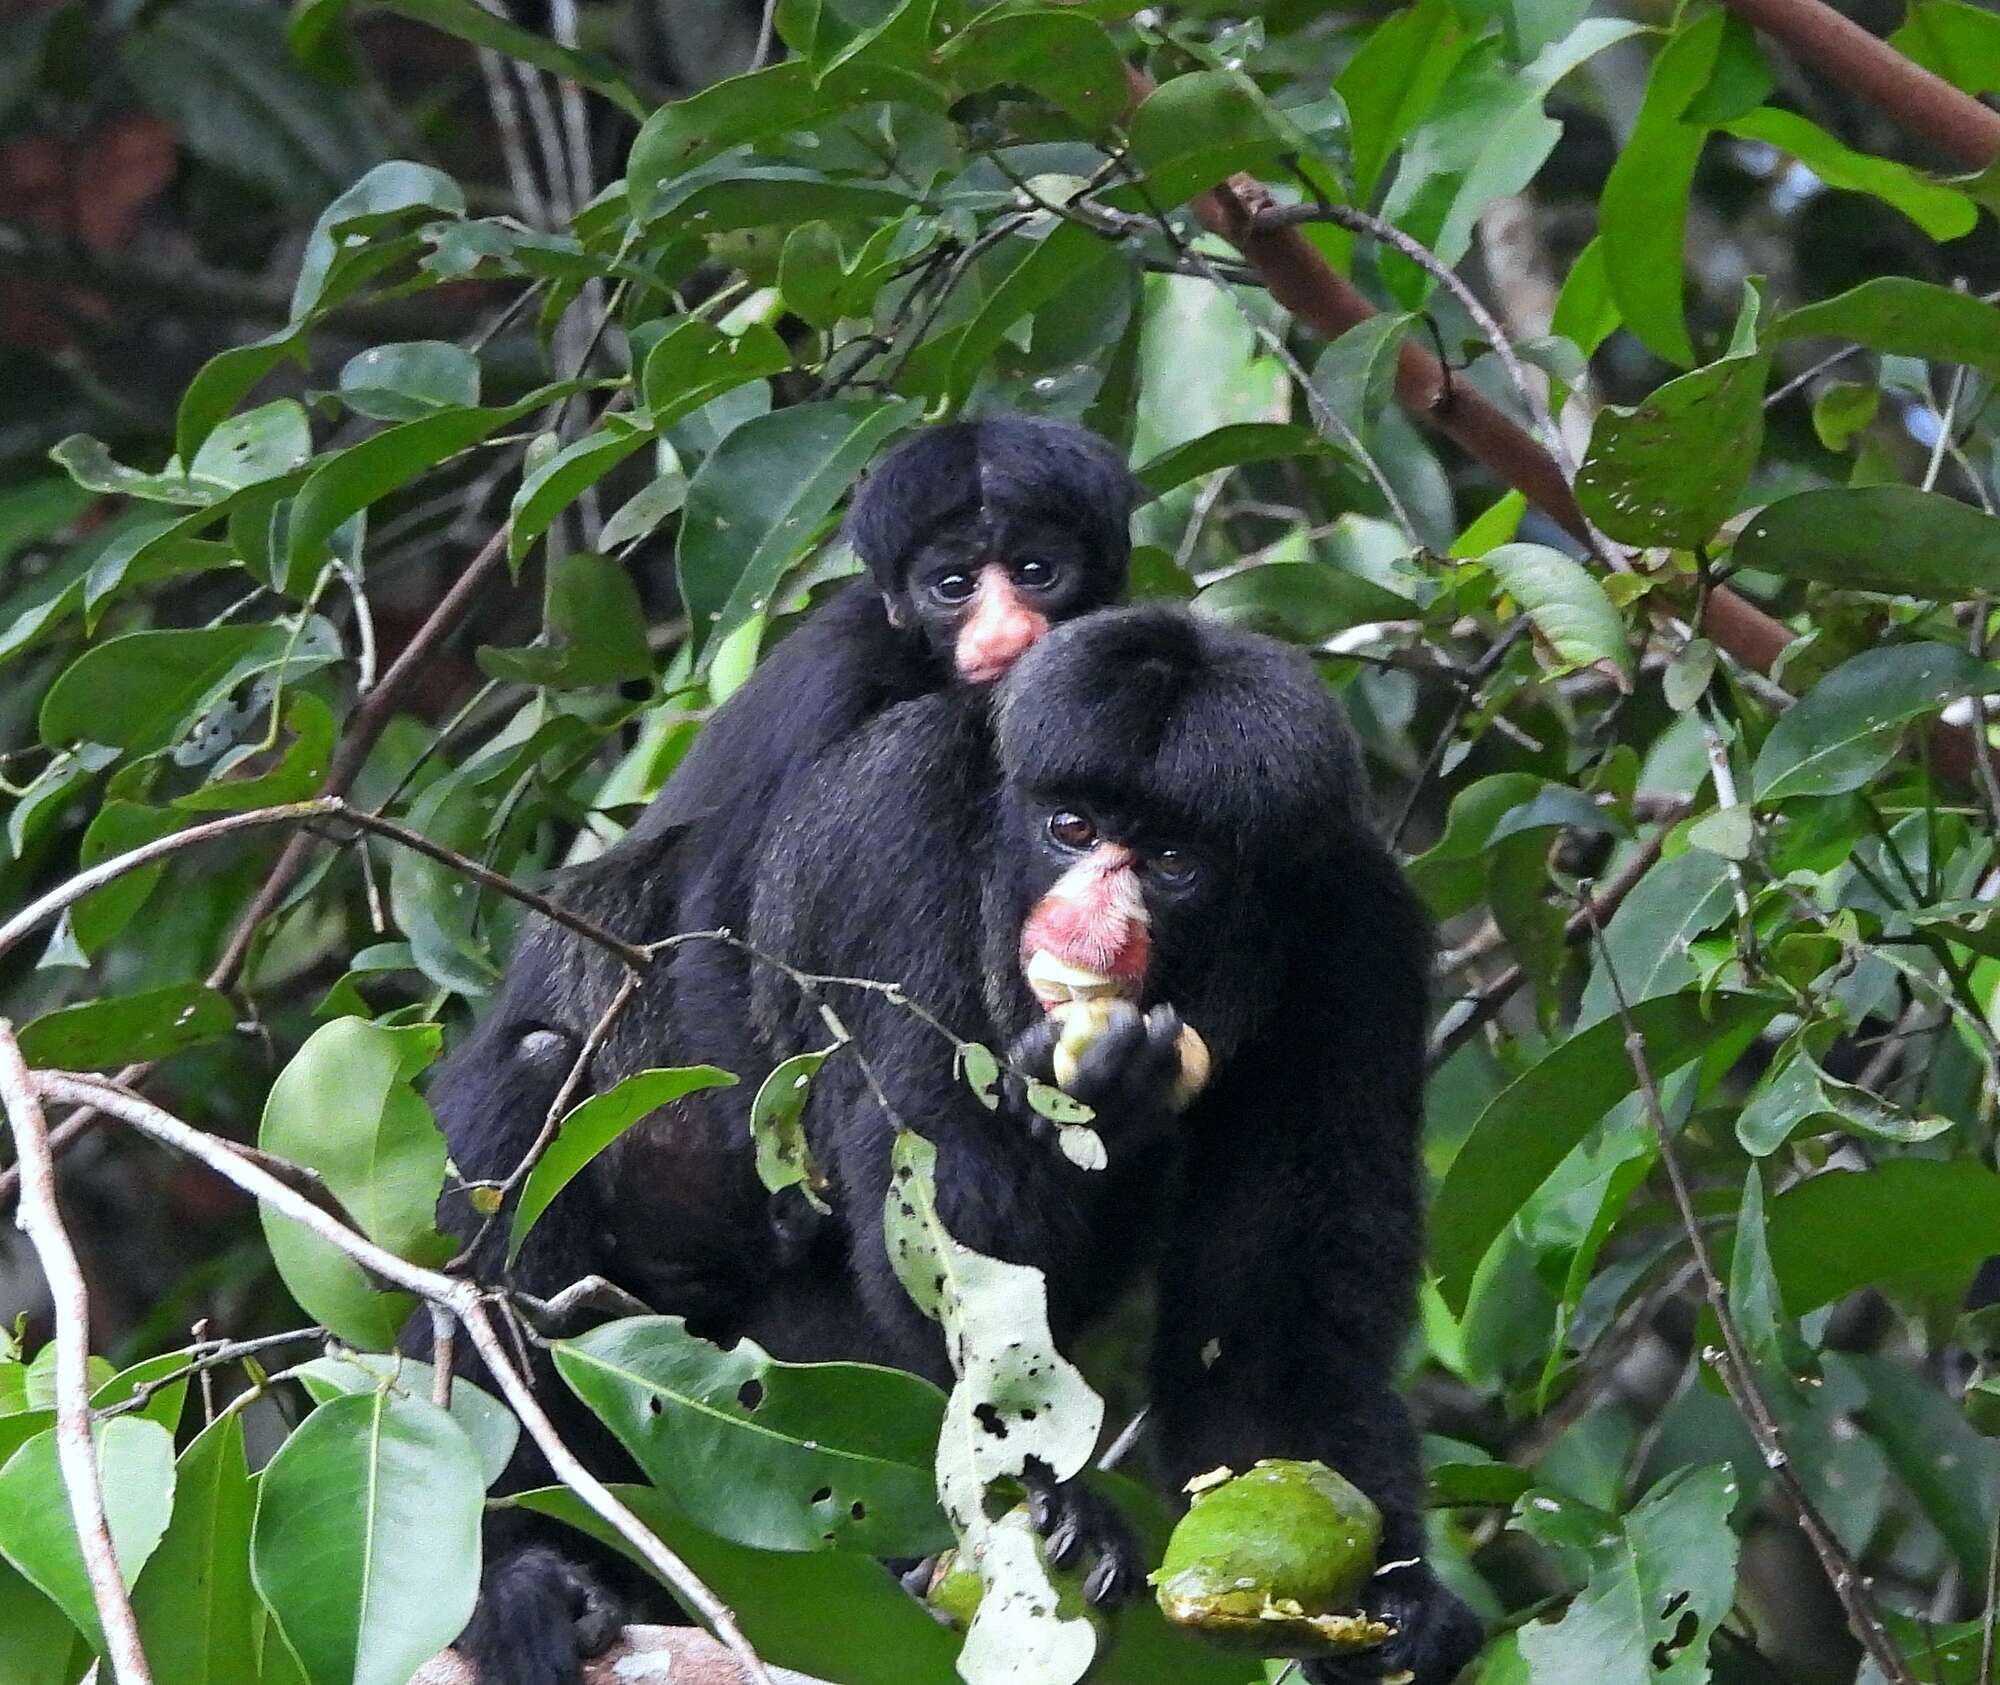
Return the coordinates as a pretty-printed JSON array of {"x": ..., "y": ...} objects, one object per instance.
[
  {"x": 1036, "y": 575},
  {"x": 1071, "y": 830},
  {"x": 954, "y": 588},
  {"x": 1171, "y": 865}
]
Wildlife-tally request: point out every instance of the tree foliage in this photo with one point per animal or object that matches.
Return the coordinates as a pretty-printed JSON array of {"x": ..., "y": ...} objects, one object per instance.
[{"x": 481, "y": 402}]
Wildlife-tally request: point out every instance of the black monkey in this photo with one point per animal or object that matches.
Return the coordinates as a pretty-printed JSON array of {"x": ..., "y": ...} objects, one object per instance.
[
  {"x": 977, "y": 536},
  {"x": 1179, "y": 805}
]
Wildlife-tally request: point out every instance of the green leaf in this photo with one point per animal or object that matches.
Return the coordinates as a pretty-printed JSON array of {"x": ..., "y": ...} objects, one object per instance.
[
  {"x": 90, "y": 464},
  {"x": 1842, "y": 411},
  {"x": 35, "y": 1636},
  {"x": 1802, "y": 1094},
  {"x": 1531, "y": 1125},
  {"x": 1304, "y": 602},
  {"x": 1566, "y": 603},
  {"x": 784, "y": 1456},
  {"x": 1229, "y": 446},
  {"x": 345, "y": 1107},
  {"x": 349, "y": 481},
  {"x": 882, "y": 1636},
  {"x": 365, "y": 1545},
  {"x": 194, "y": 1602},
  {"x": 300, "y": 771},
  {"x": 258, "y": 445},
  {"x": 1912, "y": 1224},
  {"x": 400, "y": 382},
  {"x": 1661, "y": 1579},
  {"x": 1677, "y": 901},
  {"x": 561, "y": 480},
  {"x": 1876, "y": 538},
  {"x": 1642, "y": 216},
  {"x": 1942, "y": 212},
  {"x": 222, "y": 382},
  {"x": 1016, "y": 1397},
  {"x": 1067, "y": 258},
  {"x": 116, "y": 827},
  {"x": 777, "y": 1130},
  {"x": 490, "y": 1425},
  {"x": 1905, "y": 317},
  {"x": 123, "y": 1029},
  {"x": 134, "y": 692},
  {"x": 1393, "y": 80},
  {"x": 758, "y": 500},
  {"x": 395, "y": 189},
  {"x": 1070, "y": 60},
  {"x": 694, "y": 361},
  {"x": 1356, "y": 375},
  {"x": 1672, "y": 470},
  {"x": 586, "y": 1130},
  {"x": 1955, "y": 40},
  {"x": 1845, "y": 729},
  {"x": 135, "y": 1465},
  {"x": 596, "y": 633},
  {"x": 1195, "y": 130},
  {"x": 687, "y": 133}
]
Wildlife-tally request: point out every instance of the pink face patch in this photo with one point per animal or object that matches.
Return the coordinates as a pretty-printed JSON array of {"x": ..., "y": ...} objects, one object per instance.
[{"x": 1094, "y": 917}]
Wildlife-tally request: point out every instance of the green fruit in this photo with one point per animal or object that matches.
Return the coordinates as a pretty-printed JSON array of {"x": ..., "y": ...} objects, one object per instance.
[
  {"x": 954, "y": 1591},
  {"x": 1274, "y": 1561}
]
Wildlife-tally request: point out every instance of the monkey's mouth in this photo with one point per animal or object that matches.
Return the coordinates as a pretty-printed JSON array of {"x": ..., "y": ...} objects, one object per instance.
[{"x": 1057, "y": 981}]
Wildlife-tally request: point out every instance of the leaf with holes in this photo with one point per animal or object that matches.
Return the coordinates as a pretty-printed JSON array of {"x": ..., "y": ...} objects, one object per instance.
[
  {"x": 1671, "y": 470},
  {"x": 777, "y": 1129},
  {"x": 784, "y": 1456}
]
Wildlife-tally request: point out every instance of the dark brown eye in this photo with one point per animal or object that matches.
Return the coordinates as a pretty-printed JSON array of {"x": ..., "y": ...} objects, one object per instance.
[
  {"x": 1035, "y": 576},
  {"x": 1072, "y": 830},
  {"x": 954, "y": 588},
  {"x": 1172, "y": 865}
]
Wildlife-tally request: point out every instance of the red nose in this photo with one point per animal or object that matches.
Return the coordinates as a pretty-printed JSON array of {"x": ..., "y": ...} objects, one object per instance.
[
  {"x": 1094, "y": 916},
  {"x": 1000, "y": 629}
]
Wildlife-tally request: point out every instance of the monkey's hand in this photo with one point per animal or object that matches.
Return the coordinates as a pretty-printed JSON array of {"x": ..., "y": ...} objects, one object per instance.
[
  {"x": 1436, "y": 1634},
  {"x": 1130, "y": 1076},
  {"x": 539, "y": 1618},
  {"x": 1078, "y": 1526}
]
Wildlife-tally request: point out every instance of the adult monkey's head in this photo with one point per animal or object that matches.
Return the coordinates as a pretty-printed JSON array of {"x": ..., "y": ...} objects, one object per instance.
[
  {"x": 1183, "y": 808},
  {"x": 981, "y": 535}
]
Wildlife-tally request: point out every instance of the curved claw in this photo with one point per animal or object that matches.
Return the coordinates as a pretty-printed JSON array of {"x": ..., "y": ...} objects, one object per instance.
[{"x": 1078, "y": 1525}]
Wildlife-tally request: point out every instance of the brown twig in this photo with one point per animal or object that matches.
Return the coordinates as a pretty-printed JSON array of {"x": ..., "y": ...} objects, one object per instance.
[
  {"x": 40, "y": 1218},
  {"x": 1733, "y": 1363},
  {"x": 466, "y": 1300}
]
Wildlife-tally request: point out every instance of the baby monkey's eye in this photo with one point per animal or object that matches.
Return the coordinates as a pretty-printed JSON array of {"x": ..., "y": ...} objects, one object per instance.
[
  {"x": 954, "y": 588},
  {"x": 1071, "y": 830},
  {"x": 1172, "y": 865}
]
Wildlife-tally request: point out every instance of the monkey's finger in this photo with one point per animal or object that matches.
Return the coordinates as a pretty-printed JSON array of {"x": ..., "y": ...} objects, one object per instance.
[
  {"x": 1034, "y": 1051},
  {"x": 1065, "y": 1540},
  {"x": 1106, "y": 1585}
]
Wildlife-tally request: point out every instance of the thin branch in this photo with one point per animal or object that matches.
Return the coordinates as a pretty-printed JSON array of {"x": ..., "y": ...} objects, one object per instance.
[
  {"x": 1459, "y": 1027},
  {"x": 40, "y": 1219},
  {"x": 1733, "y": 1362},
  {"x": 465, "y": 1300},
  {"x": 1388, "y": 234}
]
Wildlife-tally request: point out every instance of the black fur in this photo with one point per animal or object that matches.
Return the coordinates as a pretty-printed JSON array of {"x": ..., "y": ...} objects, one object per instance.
[
  {"x": 1281, "y": 1213},
  {"x": 675, "y": 1213}
]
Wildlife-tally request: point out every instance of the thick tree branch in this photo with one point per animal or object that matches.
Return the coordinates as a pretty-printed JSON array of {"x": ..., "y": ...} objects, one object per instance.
[
  {"x": 41, "y": 1220},
  {"x": 1929, "y": 108}
]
